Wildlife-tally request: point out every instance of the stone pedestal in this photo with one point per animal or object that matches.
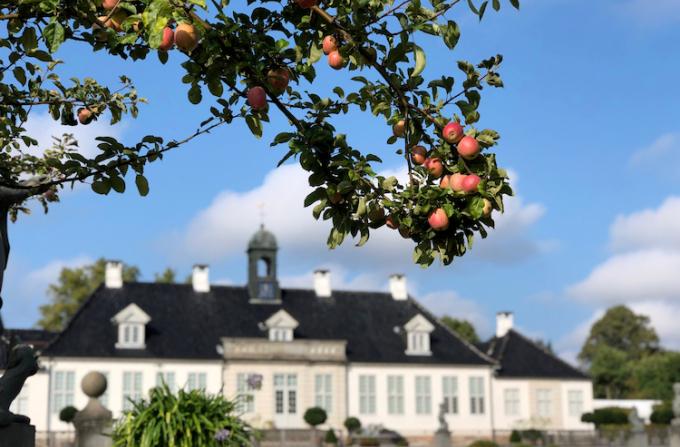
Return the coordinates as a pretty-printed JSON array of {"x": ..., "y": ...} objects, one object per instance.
[
  {"x": 637, "y": 438},
  {"x": 17, "y": 435},
  {"x": 442, "y": 438},
  {"x": 674, "y": 434},
  {"x": 93, "y": 423}
]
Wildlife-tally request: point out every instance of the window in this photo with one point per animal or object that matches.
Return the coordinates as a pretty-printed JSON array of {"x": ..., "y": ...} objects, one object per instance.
[
  {"x": 511, "y": 401},
  {"x": 476, "y": 395},
  {"x": 418, "y": 331},
  {"x": 450, "y": 391},
  {"x": 20, "y": 404},
  {"x": 281, "y": 326},
  {"x": 246, "y": 399},
  {"x": 104, "y": 398},
  {"x": 395, "y": 394},
  {"x": 196, "y": 381},
  {"x": 367, "y": 394},
  {"x": 280, "y": 334},
  {"x": 285, "y": 393},
  {"x": 575, "y": 399},
  {"x": 131, "y": 323},
  {"x": 543, "y": 402},
  {"x": 62, "y": 390},
  {"x": 323, "y": 392},
  {"x": 132, "y": 388},
  {"x": 166, "y": 377},
  {"x": 423, "y": 395}
]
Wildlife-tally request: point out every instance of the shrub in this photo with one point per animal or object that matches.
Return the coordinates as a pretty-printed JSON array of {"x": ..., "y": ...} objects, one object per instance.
[
  {"x": 68, "y": 413},
  {"x": 315, "y": 416},
  {"x": 483, "y": 443},
  {"x": 662, "y": 414},
  {"x": 330, "y": 437},
  {"x": 197, "y": 419},
  {"x": 402, "y": 443},
  {"x": 607, "y": 416},
  {"x": 532, "y": 435},
  {"x": 515, "y": 437},
  {"x": 352, "y": 424}
]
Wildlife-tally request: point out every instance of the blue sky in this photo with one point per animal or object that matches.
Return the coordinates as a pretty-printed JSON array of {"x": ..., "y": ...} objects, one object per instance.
[{"x": 590, "y": 129}]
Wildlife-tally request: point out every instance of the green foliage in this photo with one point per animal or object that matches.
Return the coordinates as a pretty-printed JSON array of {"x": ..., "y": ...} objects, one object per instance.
[
  {"x": 662, "y": 414},
  {"x": 483, "y": 443},
  {"x": 169, "y": 276},
  {"x": 532, "y": 435},
  {"x": 352, "y": 424},
  {"x": 515, "y": 437},
  {"x": 67, "y": 414},
  {"x": 73, "y": 287},
  {"x": 653, "y": 376},
  {"x": 462, "y": 327},
  {"x": 315, "y": 416},
  {"x": 608, "y": 416},
  {"x": 187, "y": 419},
  {"x": 236, "y": 49},
  {"x": 330, "y": 437}
]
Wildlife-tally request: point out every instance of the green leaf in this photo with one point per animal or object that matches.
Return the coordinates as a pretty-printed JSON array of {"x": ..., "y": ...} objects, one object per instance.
[
  {"x": 255, "y": 125},
  {"x": 142, "y": 185},
  {"x": 101, "y": 187},
  {"x": 314, "y": 54},
  {"x": 195, "y": 95},
  {"x": 19, "y": 75},
  {"x": 515, "y": 3},
  {"x": 421, "y": 60},
  {"x": 118, "y": 184}
]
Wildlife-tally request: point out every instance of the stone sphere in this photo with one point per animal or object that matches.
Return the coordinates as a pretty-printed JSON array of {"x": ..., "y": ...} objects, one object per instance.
[{"x": 93, "y": 384}]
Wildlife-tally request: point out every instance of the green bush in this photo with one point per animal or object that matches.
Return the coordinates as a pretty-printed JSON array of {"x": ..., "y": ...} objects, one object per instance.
[
  {"x": 330, "y": 437},
  {"x": 662, "y": 414},
  {"x": 515, "y": 437},
  {"x": 187, "y": 419},
  {"x": 68, "y": 413},
  {"x": 402, "y": 443},
  {"x": 607, "y": 416},
  {"x": 483, "y": 443},
  {"x": 315, "y": 416},
  {"x": 352, "y": 424},
  {"x": 532, "y": 435}
]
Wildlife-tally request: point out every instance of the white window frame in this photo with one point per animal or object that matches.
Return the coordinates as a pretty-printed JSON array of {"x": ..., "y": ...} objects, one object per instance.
[
  {"x": 20, "y": 404},
  {"x": 131, "y": 323},
  {"x": 285, "y": 393},
  {"x": 246, "y": 398},
  {"x": 104, "y": 398},
  {"x": 168, "y": 377},
  {"x": 197, "y": 381},
  {"x": 395, "y": 394},
  {"x": 511, "y": 401},
  {"x": 63, "y": 390},
  {"x": 418, "y": 331},
  {"x": 450, "y": 394},
  {"x": 477, "y": 395},
  {"x": 544, "y": 402},
  {"x": 423, "y": 386},
  {"x": 575, "y": 402},
  {"x": 132, "y": 388},
  {"x": 280, "y": 334},
  {"x": 366, "y": 394},
  {"x": 323, "y": 391}
]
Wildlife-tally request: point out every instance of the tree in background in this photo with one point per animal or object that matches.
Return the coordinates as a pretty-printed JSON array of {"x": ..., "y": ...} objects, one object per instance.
[
  {"x": 72, "y": 289},
  {"x": 462, "y": 327},
  {"x": 652, "y": 377},
  {"x": 610, "y": 373},
  {"x": 169, "y": 276},
  {"x": 622, "y": 329}
]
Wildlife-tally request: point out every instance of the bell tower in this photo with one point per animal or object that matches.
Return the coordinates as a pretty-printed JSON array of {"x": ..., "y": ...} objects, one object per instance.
[{"x": 263, "y": 286}]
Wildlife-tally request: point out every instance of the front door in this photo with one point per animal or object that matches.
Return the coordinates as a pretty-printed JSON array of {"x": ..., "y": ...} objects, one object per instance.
[{"x": 285, "y": 401}]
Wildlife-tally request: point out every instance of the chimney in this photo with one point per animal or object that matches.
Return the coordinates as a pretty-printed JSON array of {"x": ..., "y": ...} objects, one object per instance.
[
  {"x": 504, "y": 321},
  {"x": 200, "y": 278},
  {"x": 113, "y": 275},
  {"x": 322, "y": 283},
  {"x": 398, "y": 287}
]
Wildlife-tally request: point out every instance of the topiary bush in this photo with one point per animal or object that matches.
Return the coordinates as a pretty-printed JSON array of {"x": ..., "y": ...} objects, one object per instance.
[
  {"x": 186, "y": 419},
  {"x": 315, "y": 416},
  {"x": 483, "y": 443},
  {"x": 330, "y": 437},
  {"x": 515, "y": 437},
  {"x": 352, "y": 424},
  {"x": 607, "y": 416},
  {"x": 67, "y": 414},
  {"x": 662, "y": 414}
]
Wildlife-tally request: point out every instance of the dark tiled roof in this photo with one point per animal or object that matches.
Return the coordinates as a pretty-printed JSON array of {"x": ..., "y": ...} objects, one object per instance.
[
  {"x": 36, "y": 337},
  {"x": 188, "y": 325},
  {"x": 521, "y": 357}
]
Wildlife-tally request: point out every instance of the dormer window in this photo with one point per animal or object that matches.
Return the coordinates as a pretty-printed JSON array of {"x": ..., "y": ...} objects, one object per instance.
[
  {"x": 418, "y": 331},
  {"x": 281, "y": 326},
  {"x": 131, "y": 323}
]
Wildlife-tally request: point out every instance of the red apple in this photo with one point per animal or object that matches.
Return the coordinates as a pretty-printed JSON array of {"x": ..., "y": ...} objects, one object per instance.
[
  {"x": 453, "y": 132},
  {"x": 435, "y": 166},
  {"x": 418, "y": 155},
  {"x": 109, "y": 4},
  {"x": 399, "y": 129},
  {"x": 85, "y": 115},
  {"x": 278, "y": 80},
  {"x": 330, "y": 44},
  {"x": 445, "y": 182},
  {"x": 168, "y": 39},
  {"x": 487, "y": 208},
  {"x": 257, "y": 98},
  {"x": 438, "y": 220},
  {"x": 306, "y": 3},
  {"x": 470, "y": 183},
  {"x": 456, "y": 182},
  {"x": 468, "y": 147},
  {"x": 186, "y": 37},
  {"x": 335, "y": 198},
  {"x": 335, "y": 60},
  {"x": 390, "y": 223}
]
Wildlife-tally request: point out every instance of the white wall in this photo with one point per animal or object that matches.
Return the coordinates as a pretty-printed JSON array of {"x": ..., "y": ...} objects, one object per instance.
[
  {"x": 412, "y": 424},
  {"x": 115, "y": 369}
]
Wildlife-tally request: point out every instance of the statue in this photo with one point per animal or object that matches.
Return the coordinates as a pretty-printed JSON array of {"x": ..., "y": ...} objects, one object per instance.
[
  {"x": 22, "y": 362},
  {"x": 636, "y": 423},
  {"x": 442, "y": 437},
  {"x": 443, "y": 425}
]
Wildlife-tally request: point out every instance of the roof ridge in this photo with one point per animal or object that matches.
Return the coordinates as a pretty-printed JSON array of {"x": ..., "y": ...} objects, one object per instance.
[
  {"x": 469, "y": 345},
  {"x": 545, "y": 351}
]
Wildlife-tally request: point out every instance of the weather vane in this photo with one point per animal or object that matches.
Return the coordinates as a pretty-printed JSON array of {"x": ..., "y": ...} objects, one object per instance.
[{"x": 261, "y": 206}]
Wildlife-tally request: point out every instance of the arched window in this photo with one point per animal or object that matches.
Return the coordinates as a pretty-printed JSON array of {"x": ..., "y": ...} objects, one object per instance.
[{"x": 263, "y": 268}]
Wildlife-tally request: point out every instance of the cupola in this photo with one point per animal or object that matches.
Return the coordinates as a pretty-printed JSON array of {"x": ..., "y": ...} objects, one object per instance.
[{"x": 263, "y": 286}]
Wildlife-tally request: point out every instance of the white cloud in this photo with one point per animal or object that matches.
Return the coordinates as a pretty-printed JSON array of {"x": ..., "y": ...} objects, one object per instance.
[
  {"x": 651, "y": 13},
  {"x": 570, "y": 345},
  {"x": 662, "y": 156},
  {"x": 219, "y": 231},
  {"x": 650, "y": 228}
]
